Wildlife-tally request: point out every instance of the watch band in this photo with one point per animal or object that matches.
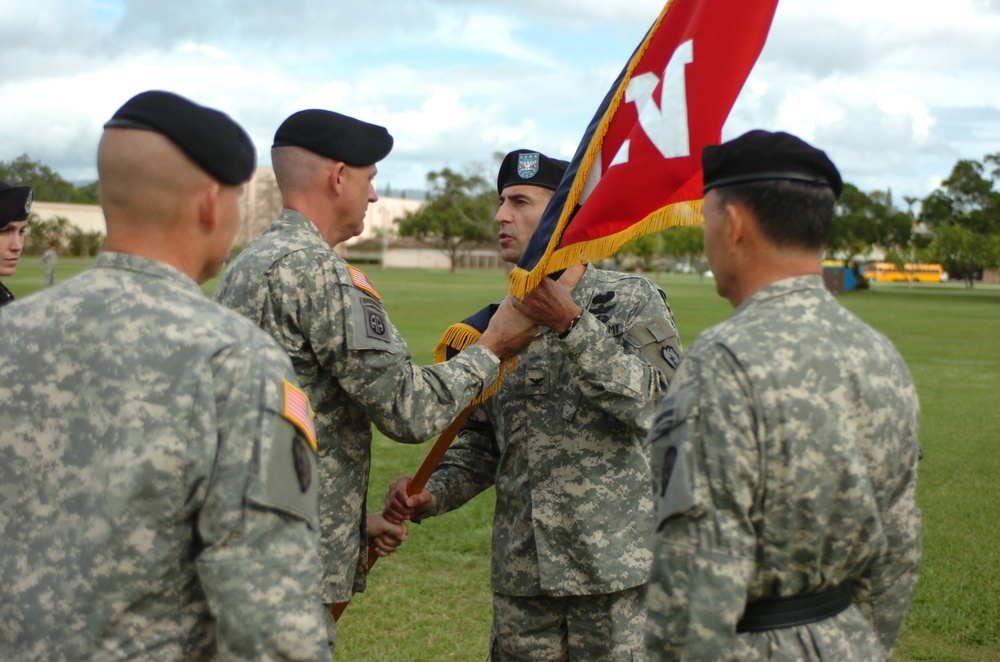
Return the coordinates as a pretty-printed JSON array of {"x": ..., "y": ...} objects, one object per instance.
[{"x": 572, "y": 325}]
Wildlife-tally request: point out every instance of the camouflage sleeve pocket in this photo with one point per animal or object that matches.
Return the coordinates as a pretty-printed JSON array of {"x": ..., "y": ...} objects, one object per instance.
[
  {"x": 287, "y": 479},
  {"x": 370, "y": 326},
  {"x": 657, "y": 341},
  {"x": 674, "y": 459}
]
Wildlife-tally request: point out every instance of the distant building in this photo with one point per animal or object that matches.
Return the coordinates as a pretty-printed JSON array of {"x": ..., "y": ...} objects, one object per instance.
[
  {"x": 88, "y": 218},
  {"x": 261, "y": 204},
  {"x": 410, "y": 253}
]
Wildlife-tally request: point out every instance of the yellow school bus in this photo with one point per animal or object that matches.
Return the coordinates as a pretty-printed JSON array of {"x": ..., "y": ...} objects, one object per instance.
[{"x": 887, "y": 272}]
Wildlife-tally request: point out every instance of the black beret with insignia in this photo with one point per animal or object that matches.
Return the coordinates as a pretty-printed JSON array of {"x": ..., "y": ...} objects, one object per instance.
[
  {"x": 525, "y": 166},
  {"x": 15, "y": 203},
  {"x": 335, "y": 136},
  {"x": 210, "y": 138},
  {"x": 759, "y": 156}
]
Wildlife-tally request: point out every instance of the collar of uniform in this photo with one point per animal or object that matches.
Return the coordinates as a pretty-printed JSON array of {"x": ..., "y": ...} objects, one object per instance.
[
  {"x": 782, "y": 288},
  {"x": 144, "y": 265},
  {"x": 292, "y": 218}
]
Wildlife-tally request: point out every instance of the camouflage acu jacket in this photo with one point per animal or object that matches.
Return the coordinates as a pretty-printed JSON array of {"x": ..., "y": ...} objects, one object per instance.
[
  {"x": 356, "y": 369},
  {"x": 564, "y": 444},
  {"x": 787, "y": 451},
  {"x": 157, "y": 499}
]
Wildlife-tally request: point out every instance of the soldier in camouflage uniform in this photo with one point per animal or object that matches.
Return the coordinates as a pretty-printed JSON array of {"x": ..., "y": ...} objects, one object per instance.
[
  {"x": 159, "y": 487},
  {"x": 350, "y": 359},
  {"x": 15, "y": 207},
  {"x": 787, "y": 444},
  {"x": 563, "y": 442}
]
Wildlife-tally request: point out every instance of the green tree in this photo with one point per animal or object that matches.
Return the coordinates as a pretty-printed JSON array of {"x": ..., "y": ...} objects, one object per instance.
[
  {"x": 459, "y": 214},
  {"x": 863, "y": 221},
  {"x": 678, "y": 242},
  {"x": 47, "y": 185},
  {"x": 83, "y": 243},
  {"x": 646, "y": 248},
  {"x": 41, "y": 234},
  {"x": 964, "y": 216},
  {"x": 684, "y": 242}
]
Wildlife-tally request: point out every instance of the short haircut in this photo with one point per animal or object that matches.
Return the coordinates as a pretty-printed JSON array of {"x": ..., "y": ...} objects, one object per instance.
[{"x": 791, "y": 214}]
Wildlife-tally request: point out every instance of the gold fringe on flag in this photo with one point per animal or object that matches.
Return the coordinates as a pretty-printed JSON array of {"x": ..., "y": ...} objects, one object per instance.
[
  {"x": 461, "y": 335},
  {"x": 682, "y": 213}
]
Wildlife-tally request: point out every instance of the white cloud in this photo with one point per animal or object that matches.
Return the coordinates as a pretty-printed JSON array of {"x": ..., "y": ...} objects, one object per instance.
[{"x": 895, "y": 91}]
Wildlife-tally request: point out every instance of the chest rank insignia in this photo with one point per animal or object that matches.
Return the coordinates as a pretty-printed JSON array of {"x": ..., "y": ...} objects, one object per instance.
[
  {"x": 362, "y": 282},
  {"x": 296, "y": 409}
]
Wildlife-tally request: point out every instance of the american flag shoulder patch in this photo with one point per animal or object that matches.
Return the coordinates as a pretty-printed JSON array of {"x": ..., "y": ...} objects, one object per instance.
[
  {"x": 362, "y": 282},
  {"x": 297, "y": 411}
]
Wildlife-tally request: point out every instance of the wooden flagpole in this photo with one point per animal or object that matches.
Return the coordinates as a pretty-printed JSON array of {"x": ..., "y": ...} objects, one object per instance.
[{"x": 418, "y": 482}]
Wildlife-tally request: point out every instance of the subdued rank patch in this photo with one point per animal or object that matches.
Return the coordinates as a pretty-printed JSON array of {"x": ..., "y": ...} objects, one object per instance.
[
  {"x": 362, "y": 282},
  {"x": 297, "y": 410},
  {"x": 300, "y": 460},
  {"x": 535, "y": 382},
  {"x": 527, "y": 165}
]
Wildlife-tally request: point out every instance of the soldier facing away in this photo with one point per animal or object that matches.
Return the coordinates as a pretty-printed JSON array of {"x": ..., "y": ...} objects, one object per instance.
[
  {"x": 157, "y": 463},
  {"x": 786, "y": 448}
]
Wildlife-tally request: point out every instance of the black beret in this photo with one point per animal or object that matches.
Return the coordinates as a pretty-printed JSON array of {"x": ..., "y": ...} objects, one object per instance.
[
  {"x": 525, "y": 166},
  {"x": 335, "y": 136},
  {"x": 759, "y": 156},
  {"x": 15, "y": 203},
  {"x": 215, "y": 142}
]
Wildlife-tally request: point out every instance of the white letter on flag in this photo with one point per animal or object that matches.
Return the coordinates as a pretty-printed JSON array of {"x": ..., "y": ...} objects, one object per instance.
[{"x": 665, "y": 125}]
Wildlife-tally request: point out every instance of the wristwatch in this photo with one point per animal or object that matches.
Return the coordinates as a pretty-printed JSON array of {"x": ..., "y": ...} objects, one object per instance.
[{"x": 571, "y": 326}]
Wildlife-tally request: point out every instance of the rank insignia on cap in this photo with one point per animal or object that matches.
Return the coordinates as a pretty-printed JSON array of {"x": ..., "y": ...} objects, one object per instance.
[
  {"x": 297, "y": 411},
  {"x": 527, "y": 165},
  {"x": 362, "y": 282}
]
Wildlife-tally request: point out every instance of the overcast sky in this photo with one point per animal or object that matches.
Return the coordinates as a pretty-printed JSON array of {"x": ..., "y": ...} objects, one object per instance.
[{"x": 896, "y": 91}]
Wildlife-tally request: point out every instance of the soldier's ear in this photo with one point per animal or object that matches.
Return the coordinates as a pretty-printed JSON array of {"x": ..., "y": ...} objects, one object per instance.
[
  {"x": 337, "y": 176},
  {"x": 737, "y": 217},
  {"x": 208, "y": 208}
]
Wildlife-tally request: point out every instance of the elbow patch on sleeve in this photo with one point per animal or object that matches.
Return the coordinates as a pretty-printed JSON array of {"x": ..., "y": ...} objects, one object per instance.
[
  {"x": 657, "y": 341},
  {"x": 287, "y": 481}
]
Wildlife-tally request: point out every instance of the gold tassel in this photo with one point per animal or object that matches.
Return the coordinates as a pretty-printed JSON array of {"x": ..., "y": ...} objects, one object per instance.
[
  {"x": 520, "y": 281},
  {"x": 460, "y": 336}
]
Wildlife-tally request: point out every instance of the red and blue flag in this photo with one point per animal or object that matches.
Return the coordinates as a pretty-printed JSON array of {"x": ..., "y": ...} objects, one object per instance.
[{"x": 638, "y": 168}]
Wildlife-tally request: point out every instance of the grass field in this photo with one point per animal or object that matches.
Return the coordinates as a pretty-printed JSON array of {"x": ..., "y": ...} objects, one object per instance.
[{"x": 431, "y": 600}]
